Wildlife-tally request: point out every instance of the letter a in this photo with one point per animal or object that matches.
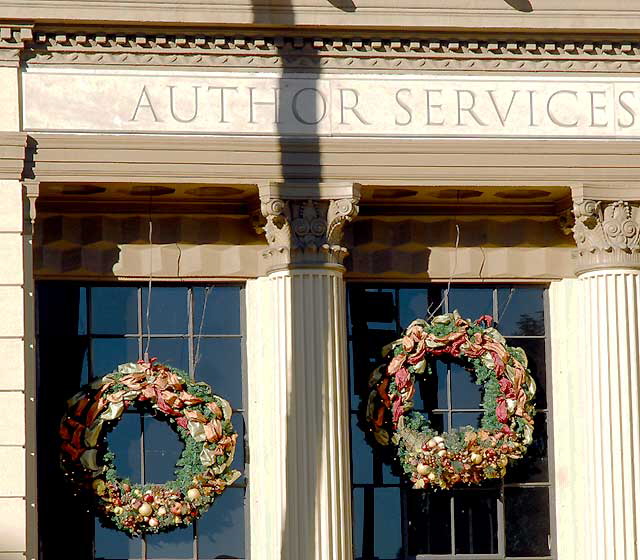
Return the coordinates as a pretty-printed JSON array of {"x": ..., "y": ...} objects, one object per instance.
[{"x": 144, "y": 102}]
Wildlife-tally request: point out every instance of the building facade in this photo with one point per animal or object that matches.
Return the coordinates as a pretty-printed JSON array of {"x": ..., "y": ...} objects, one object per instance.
[{"x": 264, "y": 194}]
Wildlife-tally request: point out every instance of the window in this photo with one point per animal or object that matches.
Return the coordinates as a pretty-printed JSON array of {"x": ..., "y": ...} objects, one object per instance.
[
  {"x": 85, "y": 331},
  {"x": 501, "y": 519}
]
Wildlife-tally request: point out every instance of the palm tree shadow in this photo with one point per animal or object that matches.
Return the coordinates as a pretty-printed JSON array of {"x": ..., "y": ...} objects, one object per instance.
[
  {"x": 520, "y": 5},
  {"x": 344, "y": 5}
]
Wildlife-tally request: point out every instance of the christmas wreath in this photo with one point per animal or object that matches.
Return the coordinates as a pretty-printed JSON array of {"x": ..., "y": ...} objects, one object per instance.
[
  {"x": 466, "y": 455},
  {"x": 202, "y": 421}
]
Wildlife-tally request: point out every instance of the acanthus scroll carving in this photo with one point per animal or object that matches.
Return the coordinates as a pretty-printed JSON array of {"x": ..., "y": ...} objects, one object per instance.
[
  {"x": 306, "y": 232},
  {"x": 607, "y": 234}
]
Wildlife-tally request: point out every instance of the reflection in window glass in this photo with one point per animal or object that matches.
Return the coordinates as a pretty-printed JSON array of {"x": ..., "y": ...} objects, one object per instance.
[
  {"x": 114, "y": 310},
  {"x": 173, "y": 351},
  {"x": 108, "y": 353},
  {"x": 115, "y": 545},
  {"x": 89, "y": 343},
  {"x": 222, "y": 310},
  {"x": 125, "y": 442},
  {"x": 467, "y": 521},
  {"x": 471, "y": 303},
  {"x": 220, "y": 365},
  {"x": 162, "y": 449},
  {"x": 388, "y": 534},
  {"x": 521, "y": 311},
  {"x": 221, "y": 530},
  {"x": 168, "y": 313},
  {"x": 464, "y": 391},
  {"x": 177, "y": 544}
]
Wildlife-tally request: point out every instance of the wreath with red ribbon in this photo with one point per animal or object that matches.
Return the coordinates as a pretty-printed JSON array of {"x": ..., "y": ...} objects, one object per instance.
[
  {"x": 202, "y": 421},
  {"x": 466, "y": 455}
]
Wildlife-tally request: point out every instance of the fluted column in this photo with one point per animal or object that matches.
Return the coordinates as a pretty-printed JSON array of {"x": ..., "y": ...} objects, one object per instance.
[
  {"x": 608, "y": 237},
  {"x": 298, "y": 378}
]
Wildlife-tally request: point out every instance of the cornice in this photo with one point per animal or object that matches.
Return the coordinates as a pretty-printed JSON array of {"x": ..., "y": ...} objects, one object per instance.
[
  {"x": 13, "y": 38},
  {"x": 230, "y": 50}
]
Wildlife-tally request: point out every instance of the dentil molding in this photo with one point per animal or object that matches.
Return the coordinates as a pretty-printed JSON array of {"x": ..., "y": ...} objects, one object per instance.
[
  {"x": 342, "y": 52},
  {"x": 13, "y": 39},
  {"x": 607, "y": 234},
  {"x": 304, "y": 226}
]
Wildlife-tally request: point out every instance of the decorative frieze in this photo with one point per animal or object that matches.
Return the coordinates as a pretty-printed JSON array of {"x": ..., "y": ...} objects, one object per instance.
[
  {"x": 607, "y": 234},
  {"x": 306, "y": 229},
  {"x": 379, "y": 54}
]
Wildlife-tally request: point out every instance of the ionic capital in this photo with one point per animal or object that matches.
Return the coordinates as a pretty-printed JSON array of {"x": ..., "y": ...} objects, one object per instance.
[
  {"x": 304, "y": 224},
  {"x": 607, "y": 234}
]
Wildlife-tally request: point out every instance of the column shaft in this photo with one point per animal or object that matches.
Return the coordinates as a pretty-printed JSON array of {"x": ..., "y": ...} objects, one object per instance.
[
  {"x": 301, "y": 502},
  {"x": 610, "y": 330}
]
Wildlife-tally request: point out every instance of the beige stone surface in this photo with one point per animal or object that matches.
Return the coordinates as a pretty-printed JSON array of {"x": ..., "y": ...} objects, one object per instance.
[
  {"x": 12, "y": 481},
  {"x": 11, "y": 311},
  {"x": 9, "y": 100},
  {"x": 568, "y": 400},
  {"x": 11, "y": 245},
  {"x": 11, "y": 556},
  {"x": 434, "y": 14},
  {"x": 11, "y": 216},
  {"x": 405, "y": 105},
  {"x": 12, "y": 419},
  {"x": 12, "y": 370},
  {"x": 12, "y": 525}
]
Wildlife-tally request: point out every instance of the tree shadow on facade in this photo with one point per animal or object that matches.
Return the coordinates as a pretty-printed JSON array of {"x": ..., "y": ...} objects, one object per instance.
[
  {"x": 520, "y": 5},
  {"x": 300, "y": 163}
]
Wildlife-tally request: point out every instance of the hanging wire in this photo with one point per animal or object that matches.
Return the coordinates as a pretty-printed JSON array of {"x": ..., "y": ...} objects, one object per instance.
[
  {"x": 207, "y": 291},
  {"x": 453, "y": 272},
  {"x": 502, "y": 311},
  {"x": 148, "y": 313}
]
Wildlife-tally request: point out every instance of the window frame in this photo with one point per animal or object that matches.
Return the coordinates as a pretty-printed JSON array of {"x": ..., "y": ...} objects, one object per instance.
[
  {"x": 354, "y": 412},
  {"x": 192, "y": 335}
]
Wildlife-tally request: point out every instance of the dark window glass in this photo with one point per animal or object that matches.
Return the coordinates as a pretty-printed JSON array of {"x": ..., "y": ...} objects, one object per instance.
[
  {"x": 221, "y": 306},
  {"x": 162, "y": 449},
  {"x": 114, "y": 310},
  {"x": 528, "y": 524},
  {"x": 429, "y": 522},
  {"x": 495, "y": 520},
  {"x": 476, "y": 520},
  {"x": 85, "y": 331},
  {"x": 521, "y": 311},
  {"x": 177, "y": 544},
  {"x": 221, "y": 531},
  {"x": 115, "y": 545},
  {"x": 168, "y": 310}
]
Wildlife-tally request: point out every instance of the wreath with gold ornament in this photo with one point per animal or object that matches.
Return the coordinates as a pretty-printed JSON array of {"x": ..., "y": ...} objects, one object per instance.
[
  {"x": 465, "y": 455},
  {"x": 202, "y": 421}
]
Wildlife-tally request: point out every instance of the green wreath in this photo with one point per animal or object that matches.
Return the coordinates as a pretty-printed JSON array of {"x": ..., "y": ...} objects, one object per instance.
[
  {"x": 202, "y": 421},
  {"x": 467, "y": 455}
]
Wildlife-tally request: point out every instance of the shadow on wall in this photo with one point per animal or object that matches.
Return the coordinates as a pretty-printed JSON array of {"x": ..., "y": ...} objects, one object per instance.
[
  {"x": 520, "y": 5},
  {"x": 344, "y": 5},
  {"x": 302, "y": 457}
]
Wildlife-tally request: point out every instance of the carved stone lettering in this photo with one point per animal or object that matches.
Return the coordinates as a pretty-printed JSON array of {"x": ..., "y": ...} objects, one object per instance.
[{"x": 332, "y": 104}]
